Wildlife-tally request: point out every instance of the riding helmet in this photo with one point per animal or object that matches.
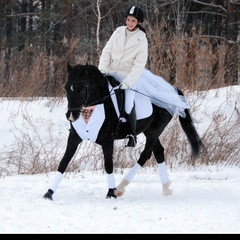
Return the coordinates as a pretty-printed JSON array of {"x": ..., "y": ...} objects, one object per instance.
[{"x": 135, "y": 12}]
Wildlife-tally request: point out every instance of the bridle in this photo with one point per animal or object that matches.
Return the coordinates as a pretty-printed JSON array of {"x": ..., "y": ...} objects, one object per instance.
[{"x": 86, "y": 98}]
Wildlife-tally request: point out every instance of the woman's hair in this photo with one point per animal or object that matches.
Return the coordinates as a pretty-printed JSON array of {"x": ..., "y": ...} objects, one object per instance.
[{"x": 142, "y": 28}]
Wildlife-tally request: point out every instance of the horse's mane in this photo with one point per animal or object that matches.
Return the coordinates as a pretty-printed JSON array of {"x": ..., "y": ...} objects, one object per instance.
[
  {"x": 89, "y": 82},
  {"x": 80, "y": 72}
]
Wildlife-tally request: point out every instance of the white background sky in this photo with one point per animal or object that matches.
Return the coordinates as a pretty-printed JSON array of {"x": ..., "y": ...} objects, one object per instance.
[{"x": 204, "y": 200}]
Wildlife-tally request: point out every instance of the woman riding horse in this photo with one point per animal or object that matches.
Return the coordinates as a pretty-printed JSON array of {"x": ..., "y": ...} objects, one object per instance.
[{"x": 87, "y": 86}]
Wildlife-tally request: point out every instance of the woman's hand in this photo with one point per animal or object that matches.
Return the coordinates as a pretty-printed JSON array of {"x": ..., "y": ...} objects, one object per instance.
[{"x": 123, "y": 86}]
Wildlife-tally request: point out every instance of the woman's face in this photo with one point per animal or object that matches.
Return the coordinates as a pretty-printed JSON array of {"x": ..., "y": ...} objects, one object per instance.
[{"x": 131, "y": 23}]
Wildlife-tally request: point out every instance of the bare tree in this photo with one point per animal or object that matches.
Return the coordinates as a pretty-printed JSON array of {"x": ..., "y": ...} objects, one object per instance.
[
  {"x": 99, "y": 18},
  {"x": 179, "y": 31}
]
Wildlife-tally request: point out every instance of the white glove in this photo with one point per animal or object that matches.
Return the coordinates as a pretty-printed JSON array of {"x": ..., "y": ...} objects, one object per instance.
[
  {"x": 104, "y": 72},
  {"x": 123, "y": 86}
]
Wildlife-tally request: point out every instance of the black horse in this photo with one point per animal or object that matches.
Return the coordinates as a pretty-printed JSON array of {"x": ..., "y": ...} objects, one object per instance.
[{"x": 87, "y": 86}]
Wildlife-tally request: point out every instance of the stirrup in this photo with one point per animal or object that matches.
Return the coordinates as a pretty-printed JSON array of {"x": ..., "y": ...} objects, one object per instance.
[{"x": 132, "y": 141}]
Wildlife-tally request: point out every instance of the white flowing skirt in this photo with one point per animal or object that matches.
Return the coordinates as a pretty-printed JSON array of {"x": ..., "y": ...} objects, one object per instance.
[{"x": 159, "y": 91}]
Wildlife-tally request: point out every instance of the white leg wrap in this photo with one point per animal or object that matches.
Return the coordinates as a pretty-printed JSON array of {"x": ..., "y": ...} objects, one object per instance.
[
  {"x": 57, "y": 179},
  {"x": 131, "y": 174},
  {"x": 111, "y": 180},
  {"x": 129, "y": 177},
  {"x": 122, "y": 185},
  {"x": 162, "y": 171}
]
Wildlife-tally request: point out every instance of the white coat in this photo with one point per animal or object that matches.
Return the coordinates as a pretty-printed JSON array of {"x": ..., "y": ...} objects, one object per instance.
[{"x": 127, "y": 60}]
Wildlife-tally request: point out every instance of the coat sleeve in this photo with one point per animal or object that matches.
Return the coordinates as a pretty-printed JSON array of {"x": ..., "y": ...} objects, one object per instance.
[{"x": 105, "y": 58}]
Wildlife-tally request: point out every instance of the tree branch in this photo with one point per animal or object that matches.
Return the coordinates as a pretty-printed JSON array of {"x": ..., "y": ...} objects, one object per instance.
[
  {"x": 211, "y": 5},
  {"x": 23, "y": 14}
]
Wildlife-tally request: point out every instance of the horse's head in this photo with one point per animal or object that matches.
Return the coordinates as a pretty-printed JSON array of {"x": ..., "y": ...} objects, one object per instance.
[{"x": 85, "y": 87}]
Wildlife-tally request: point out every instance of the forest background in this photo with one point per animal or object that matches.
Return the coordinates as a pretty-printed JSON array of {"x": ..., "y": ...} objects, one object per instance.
[{"x": 193, "y": 44}]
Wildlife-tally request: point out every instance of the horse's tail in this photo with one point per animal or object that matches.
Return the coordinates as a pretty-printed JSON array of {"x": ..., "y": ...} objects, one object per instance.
[
  {"x": 193, "y": 137},
  {"x": 192, "y": 134}
]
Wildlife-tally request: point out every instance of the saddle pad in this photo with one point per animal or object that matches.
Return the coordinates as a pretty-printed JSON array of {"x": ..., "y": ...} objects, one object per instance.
[{"x": 143, "y": 105}]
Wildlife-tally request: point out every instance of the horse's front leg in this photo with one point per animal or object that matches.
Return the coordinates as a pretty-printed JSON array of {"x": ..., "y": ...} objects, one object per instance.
[
  {"x": 107, "y": 148},
  {"x": 72, "y": 144}
]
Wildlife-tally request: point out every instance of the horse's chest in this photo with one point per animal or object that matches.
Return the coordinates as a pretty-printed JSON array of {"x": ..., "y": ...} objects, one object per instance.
[{"x": 88, "y": 126}]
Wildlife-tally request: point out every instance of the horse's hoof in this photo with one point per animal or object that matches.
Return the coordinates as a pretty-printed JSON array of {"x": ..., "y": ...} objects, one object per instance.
[
  {"x": 111, "y": 193},
  {"x": 166, "y": 190},
  {"x": 108, "y": 197},
  {"x": 118, "y": 193},
  {"x": 48, "y": 195}
]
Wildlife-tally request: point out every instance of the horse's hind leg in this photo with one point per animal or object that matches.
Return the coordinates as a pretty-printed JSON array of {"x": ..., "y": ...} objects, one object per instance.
[
  {"x": 72, "y": 144},
  {"x": 127, "y": 179},
  {"x": 152, "y": 145},
  {"x": 158, "y": 152},
  {"x": 144, "y": 156}
]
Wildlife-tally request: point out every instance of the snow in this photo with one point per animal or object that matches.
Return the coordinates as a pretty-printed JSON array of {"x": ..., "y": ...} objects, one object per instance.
[{"x": 206, "y": 199}]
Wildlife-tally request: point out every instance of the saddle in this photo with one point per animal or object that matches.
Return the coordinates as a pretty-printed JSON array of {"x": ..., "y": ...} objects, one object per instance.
[{"x": 143, "y": 105}]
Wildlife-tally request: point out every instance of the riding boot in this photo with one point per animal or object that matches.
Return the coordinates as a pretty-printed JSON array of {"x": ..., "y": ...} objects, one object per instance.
[{"x": 132, "y": 121}]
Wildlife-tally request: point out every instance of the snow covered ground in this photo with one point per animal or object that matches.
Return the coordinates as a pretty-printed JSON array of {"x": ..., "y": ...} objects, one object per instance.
[{"x": 205, "y": 199}]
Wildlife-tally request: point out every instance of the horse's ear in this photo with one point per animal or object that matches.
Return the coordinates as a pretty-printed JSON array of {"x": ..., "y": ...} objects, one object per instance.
[{"x": 69, "y": 67}]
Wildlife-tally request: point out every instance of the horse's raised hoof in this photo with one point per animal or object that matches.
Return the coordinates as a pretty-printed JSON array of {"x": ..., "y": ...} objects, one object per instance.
[
  {"x": 166, "y": 190},
  {"x": 111, "y": 193},
  {"x": 118, "y": 193},
  {"x": 48, "y": 195}
]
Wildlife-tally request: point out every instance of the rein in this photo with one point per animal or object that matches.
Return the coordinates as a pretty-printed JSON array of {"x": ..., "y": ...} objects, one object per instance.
[
  {"x": 101, "y": 100},
  {"x": 150, "y": 97}
]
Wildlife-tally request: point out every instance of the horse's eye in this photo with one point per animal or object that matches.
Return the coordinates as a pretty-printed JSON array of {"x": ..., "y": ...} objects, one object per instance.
[{"x": 72, "y": 89}]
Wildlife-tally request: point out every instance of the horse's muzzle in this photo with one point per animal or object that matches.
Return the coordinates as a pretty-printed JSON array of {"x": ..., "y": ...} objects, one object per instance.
[{"x": 71, "y": 118}]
